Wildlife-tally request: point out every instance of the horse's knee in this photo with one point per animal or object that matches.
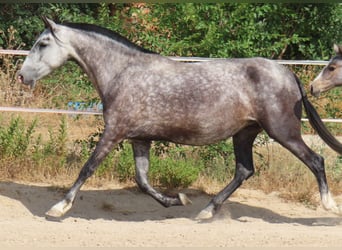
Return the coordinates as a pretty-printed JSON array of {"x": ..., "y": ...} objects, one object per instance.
[
  {"x": 243, "y": 173},
  {"x": 319, "y": 163},
  {"x": 249, "y": 174}
]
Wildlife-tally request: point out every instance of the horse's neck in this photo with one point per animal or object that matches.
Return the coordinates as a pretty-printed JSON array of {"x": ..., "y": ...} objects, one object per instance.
[{"x": 101, "y": 59}]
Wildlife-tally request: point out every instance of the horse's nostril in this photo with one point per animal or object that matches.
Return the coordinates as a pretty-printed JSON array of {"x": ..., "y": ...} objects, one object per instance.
[
  {"x": 20, "y": 78},
  {"x": 311, "y": 89}
]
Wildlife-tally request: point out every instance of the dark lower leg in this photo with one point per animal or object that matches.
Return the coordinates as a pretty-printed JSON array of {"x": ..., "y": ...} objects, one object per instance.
[
  {"x": 315, "y": 163},
  {"x": 141, "y": 155},
  {"x": 243, "y": 142},
  {"x": 102, "y": 149}
]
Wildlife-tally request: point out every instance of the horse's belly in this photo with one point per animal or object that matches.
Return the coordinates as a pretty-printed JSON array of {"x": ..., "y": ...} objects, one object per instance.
[
  {"x": 203, "y": 138},
  {"x": 189, "y": 134}
]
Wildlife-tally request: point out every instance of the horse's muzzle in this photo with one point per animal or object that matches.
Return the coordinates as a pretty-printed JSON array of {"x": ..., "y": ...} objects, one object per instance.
[
  {"x": 23, "y": 80},
  {"x": 314, "y": 91}
]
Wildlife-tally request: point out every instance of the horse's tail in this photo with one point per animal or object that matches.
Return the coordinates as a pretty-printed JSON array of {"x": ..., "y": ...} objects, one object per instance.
[{"x": 316, "y": 122}]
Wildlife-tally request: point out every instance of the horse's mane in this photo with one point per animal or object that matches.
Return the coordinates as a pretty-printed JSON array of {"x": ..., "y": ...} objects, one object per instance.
[{"x": 108, "y": 33}]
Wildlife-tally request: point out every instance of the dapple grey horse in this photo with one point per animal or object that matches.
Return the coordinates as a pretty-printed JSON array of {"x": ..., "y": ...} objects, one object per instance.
[
  {"x": 330, "y": 76},
  {"x": 149, "y": 97}
]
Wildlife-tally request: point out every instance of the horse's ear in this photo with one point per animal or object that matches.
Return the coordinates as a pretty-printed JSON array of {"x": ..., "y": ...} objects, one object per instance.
[
  {"x": 338, "y": 49},
  {"x": 49, "y": 24}
]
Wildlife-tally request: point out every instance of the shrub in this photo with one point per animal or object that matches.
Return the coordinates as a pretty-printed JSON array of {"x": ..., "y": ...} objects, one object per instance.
[
  {"x": 16, "y": 139},
  {"x": 124, "y": 166},
  {"x": 177, "y": 169},
  {"x": 218, "y": 160}
]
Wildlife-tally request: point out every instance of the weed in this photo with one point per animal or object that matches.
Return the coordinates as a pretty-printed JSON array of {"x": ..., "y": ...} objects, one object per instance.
[
  {"x": 218, "y": 160},
  {"x": 124, "y": 165},
  {"x": 62, "y": 137},
  {"x": 15, "y": 139},
  {"x": 177, "y": 169}
]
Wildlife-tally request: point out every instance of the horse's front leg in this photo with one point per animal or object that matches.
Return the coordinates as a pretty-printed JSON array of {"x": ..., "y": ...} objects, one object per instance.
[
  {"x": 141, "y": 151},
  {"x": 103, "y": 147}
]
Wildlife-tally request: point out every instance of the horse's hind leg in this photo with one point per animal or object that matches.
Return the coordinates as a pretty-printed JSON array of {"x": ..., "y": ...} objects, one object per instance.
[
  {"x": 141, "y": 151},
  {"x": 243, "y": 142},
  {"x": 315, "y": 163}
]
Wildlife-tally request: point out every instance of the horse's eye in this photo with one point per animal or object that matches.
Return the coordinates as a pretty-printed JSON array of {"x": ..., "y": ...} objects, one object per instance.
[
  {"x": 42, "y": 45},
  {"x": 331, "y": 68}
]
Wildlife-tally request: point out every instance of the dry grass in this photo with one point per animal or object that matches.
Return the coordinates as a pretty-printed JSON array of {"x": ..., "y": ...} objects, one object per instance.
[
  {"x": 79, "y": 127},
  {"x": 10, "y": 91}
]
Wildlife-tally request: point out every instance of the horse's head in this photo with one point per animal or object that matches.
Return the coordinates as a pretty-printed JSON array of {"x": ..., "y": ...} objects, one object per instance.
[
  {"x": 330, "y": 76},
  {"x": 48, "y": 53}
]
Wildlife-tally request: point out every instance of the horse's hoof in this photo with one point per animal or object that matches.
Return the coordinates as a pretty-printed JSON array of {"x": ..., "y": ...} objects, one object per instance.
[
  {"x": 54, "y": 213},
  {"x": 205, "y": 214},
  {"x": 184, "y": 199},
  {"x": 59, "y": 209}
]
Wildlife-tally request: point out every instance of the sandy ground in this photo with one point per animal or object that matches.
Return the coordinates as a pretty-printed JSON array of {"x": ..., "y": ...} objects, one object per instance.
[{"x": 115, "y": 216}]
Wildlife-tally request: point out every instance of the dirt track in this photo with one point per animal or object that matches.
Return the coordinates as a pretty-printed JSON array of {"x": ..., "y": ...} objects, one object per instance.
[{"x": 114, "y": 216}]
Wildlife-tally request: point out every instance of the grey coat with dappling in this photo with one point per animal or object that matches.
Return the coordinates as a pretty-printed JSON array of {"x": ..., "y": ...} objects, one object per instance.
[{"x": 149, "y": 97}]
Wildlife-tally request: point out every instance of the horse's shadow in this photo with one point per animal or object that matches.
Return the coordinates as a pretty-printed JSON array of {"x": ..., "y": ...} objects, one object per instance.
[
  {"x": 245, "y": 213},
  {"x": 129, "y": 204}
]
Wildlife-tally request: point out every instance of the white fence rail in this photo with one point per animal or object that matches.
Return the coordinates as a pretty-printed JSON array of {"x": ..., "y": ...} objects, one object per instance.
[
  {"x": 188, "y": 59},
  {"x": 79, "y": 112},
  {"x": 183, "y": 59},
  {"x": 53, "y": 111},
  {"x": 14, "y": 52}
]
